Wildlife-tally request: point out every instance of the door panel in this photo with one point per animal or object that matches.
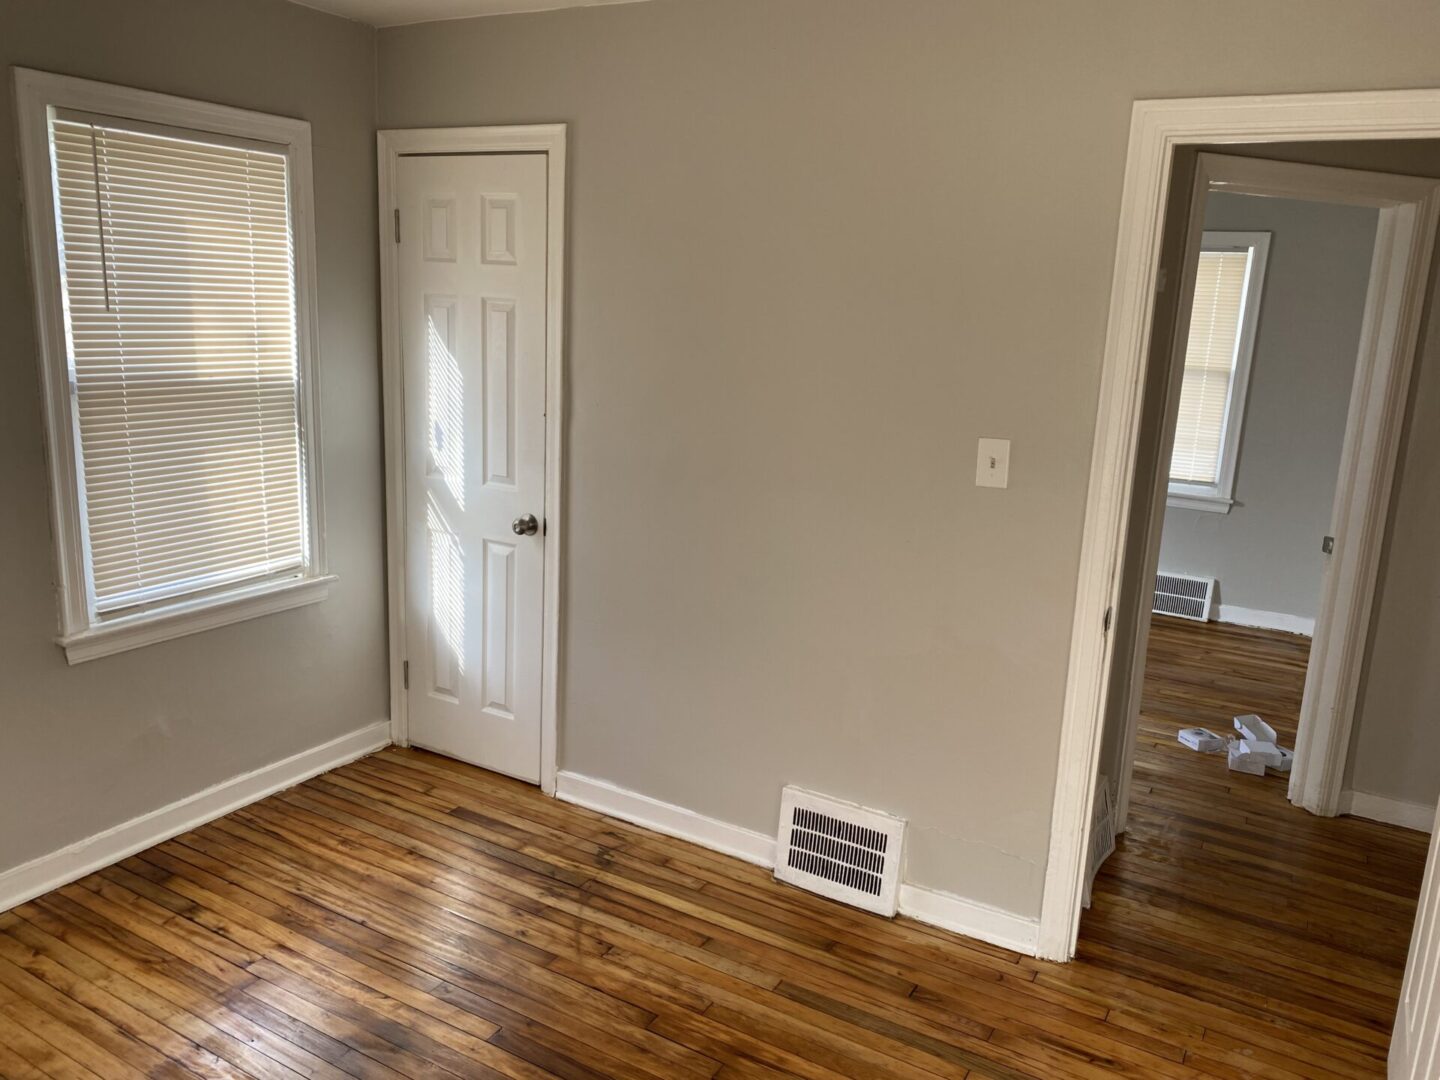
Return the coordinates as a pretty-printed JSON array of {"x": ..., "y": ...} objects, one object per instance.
[{"x": 472, "y": 309}]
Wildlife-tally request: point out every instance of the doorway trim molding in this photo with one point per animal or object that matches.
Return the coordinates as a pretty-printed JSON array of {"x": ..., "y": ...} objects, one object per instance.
[
  {"x": 1158, "y": 128},
  {"x": 392, "y": 145}
]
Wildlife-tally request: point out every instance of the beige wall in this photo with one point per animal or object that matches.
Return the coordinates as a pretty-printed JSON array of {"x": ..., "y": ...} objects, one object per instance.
[
  {"x": 1266, "y": 551},
  {"x": 88, "y": 747},
  {"x": 818, "y": 248}
]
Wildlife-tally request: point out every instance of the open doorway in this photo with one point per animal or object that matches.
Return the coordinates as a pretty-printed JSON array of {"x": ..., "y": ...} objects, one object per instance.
[
  {"x": 1218, "y": 874},
  {"x": 1294, "y": 543},
  {"x": 1250, "y": 928},
  {"x": 1240, "y": 521}
]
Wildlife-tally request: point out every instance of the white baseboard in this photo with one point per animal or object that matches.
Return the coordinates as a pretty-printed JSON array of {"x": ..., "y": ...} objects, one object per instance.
[
  {"x": 1266, "y": 620},
  {"x": 666, "y": 818},
  {"x": 971, "y": 918},
  {"x": 39, "y": 876},
  {"x": 1407, "y": 815},
  {"x": 967, "y": 917}
]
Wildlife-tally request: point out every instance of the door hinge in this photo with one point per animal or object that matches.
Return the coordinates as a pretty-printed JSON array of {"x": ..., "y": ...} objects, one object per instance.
[
  {"x": 1105, "y": 627},
  {"x": 397, "y": 224},
  {"x": 405, "y": 669},
  {"x": 1328, "y": 545}
]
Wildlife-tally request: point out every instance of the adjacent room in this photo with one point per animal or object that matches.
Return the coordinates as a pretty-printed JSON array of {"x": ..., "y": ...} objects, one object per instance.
[{"x": 690, "y": 538}]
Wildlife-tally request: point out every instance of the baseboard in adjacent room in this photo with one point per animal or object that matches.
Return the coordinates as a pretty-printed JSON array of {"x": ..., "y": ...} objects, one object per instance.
[
  {"x": 1266, "y": 620},
  {"x": 39, "y": 876},
  {"x": 949, "y": 912},
  {"x": 1407, "y": 815}
]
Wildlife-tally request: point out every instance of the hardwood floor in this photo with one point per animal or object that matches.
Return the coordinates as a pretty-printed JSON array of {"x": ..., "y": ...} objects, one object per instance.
[
  {"x": 407, "y": 915},
  {"x": 1223, "y": 896}
]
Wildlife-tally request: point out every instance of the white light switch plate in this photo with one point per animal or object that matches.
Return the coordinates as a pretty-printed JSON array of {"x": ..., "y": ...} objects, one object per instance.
[{"x": 992, "y": 463}]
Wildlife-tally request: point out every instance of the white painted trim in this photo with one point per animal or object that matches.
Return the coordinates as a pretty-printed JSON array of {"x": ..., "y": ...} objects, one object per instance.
[
  {"x": 971, "y": 918},
  {"x": 1415, "y": 1039},
  {"x": 548, "y": 139},
  {"x": 1266, "y": 620},
  {"x": 1153, "y": 509},
  {"x": 1187, "y": 500},
  {"x": 39, "y": 876},
  {"x": 1389, "y": 335},
  {"x": 1157, "y": 129},
  {"x": 194, "y": 615},
  {"x": 83, "y": 632},
  {"x": 667, "y": 818},
  {"x": 1407, "y": 815},
  {"x": 968, "y": 917}
]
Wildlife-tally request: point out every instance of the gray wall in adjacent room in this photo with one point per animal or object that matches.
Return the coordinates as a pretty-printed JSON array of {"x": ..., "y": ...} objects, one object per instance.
[{"x": 1265, "y": 552}]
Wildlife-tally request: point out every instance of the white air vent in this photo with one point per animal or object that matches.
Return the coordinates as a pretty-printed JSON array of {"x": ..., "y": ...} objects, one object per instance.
[
  {"x": 839, "y": 850},
  {"x": 1102, "y": 832},
  {"x": 1187, "y": 597}
]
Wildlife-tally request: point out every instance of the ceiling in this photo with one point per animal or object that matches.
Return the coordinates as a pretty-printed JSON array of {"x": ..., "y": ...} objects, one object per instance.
[{"x": 400, "y": 12}]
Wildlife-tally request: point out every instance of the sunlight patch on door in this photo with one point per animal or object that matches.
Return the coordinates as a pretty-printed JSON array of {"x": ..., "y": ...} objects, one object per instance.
[
  {"x": 446, "y": 404},
  {"x": 447, "y": 606}
]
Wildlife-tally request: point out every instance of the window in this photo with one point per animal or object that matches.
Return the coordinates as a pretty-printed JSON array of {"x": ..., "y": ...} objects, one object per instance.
[
  {"x": 173, "y": 282},
  {"x": 1217, "y": 369}
]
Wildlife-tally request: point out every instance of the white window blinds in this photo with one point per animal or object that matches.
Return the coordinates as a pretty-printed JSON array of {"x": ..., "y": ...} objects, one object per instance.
[
  {"x": 1210, "y": 357},
  {"x": 180, "y": 301}
]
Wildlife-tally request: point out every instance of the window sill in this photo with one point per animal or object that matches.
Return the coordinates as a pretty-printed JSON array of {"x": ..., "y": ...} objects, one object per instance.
[
  {"x": 193, "y": 616},
  {"x": 1187, "y": 500}
]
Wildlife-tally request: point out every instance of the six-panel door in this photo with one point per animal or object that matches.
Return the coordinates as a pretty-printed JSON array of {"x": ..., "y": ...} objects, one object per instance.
[{"x": 472, "y": 310}]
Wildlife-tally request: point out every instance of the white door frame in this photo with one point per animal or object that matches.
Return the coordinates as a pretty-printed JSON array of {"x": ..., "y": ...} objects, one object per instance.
[
  {"x": 547, "y": 139},
  {"x": 1415, "y": 1044},
  {"x": 1157, "y": 129},
  {"x": 1399, "y": 271}
]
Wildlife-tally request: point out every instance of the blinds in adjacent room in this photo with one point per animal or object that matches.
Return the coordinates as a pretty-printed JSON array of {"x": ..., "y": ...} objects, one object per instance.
[
  {"x": 180, "y": 295},
  {"x": 1209, "y": 366}
]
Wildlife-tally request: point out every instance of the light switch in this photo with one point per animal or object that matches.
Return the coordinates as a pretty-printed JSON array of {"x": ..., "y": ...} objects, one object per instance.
[{"x": 992, "y": 463}]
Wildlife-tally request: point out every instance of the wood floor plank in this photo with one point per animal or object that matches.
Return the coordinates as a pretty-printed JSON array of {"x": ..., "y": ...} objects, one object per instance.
[{"x": 408, "y": 915}]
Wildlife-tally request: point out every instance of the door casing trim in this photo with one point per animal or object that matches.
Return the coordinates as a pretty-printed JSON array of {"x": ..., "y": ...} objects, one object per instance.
[
  {"x": 1157, "y": 129},
  {"x": 392, "y": 145}
]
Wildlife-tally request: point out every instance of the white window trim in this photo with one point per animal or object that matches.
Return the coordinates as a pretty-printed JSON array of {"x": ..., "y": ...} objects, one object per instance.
[
  {"x": 1219, "y": 496},
  {"x": 84, "y": 635}
]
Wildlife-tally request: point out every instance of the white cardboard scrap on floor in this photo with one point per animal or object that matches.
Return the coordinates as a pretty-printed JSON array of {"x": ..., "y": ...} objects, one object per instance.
[
  {"x": 1202, "y": 739},
  {"x": 1255, "y": 751},
  {"x": 1251, "y": 726},
  {"x": 1242, "y": 760}
]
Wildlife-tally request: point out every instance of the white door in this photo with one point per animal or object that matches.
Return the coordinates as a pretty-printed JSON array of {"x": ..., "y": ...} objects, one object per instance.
[
  {"x": 1415, "y": 1046},
  {"x": 472, "y": 314}
]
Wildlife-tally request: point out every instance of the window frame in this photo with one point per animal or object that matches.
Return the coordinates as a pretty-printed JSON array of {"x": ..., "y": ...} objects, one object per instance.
[
  {"x": 85, "y": 634},
  {"x": 1219, "y": 496}
]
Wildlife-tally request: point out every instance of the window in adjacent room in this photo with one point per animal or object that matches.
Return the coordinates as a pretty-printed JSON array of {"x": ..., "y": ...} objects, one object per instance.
[
  {"x": 1217, "y": 369},
  {"x": 174, "y": 281}
]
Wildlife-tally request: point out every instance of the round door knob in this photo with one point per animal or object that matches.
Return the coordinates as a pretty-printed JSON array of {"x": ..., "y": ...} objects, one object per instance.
[{"x": 525, "y": 526}]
